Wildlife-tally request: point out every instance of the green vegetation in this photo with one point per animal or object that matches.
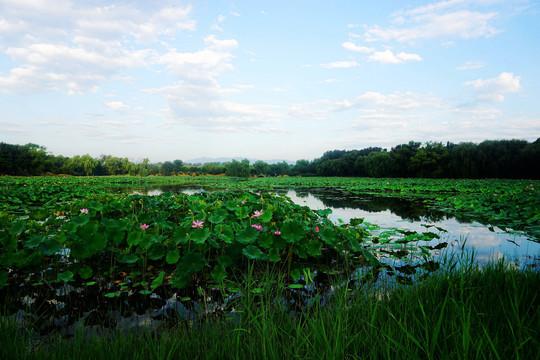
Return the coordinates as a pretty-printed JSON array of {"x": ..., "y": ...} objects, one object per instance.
[
  {"x": 253, "y": 275},
  {"x": 465, "y": 313},
  {"x": 503, "y": 159}
]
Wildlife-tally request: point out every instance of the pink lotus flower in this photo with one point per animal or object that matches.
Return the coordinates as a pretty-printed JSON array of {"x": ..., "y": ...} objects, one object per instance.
[
  {"x": 258, "y": 227},
  {"x": 197, "y": 224},
  {"x": 84, "y": 211},
  {"x": 257, "y": 213},
  {"x": 144, "y": 226},
  {"x": 316, "y": 229},
  {"x": 277, "y": 233}
]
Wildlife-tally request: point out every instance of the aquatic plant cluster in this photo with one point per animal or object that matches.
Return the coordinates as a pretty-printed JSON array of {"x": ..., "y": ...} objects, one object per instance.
[
  {"x": 62, "y": 243},
  {"x": 252, "y": 273}
]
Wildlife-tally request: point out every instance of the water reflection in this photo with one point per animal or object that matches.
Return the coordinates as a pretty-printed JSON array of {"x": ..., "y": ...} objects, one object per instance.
[{"x": 404, "y": 214}]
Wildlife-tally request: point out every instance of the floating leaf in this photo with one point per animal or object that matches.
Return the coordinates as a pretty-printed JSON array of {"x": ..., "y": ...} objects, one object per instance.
[
  {"x": 369, "y": 256},
  {"x": 172, "y": 257},
  {"x": 225, "y": 233},
  {"x": 50, "y": 246},
  {"x": 242, "y": 212},
  {"x": 329, "y": 236},
  {"x": 94, "y": 205},
  {"x": 9, "y": 243},
  {"x": 191, "y": 263},
  {"x": 253, "y": 252},
  {"x": 314, "y": 248},
  {"x": 292, "y": 231},
  {"x": 66, "y": 276},
  {"x": 86, "y": 272},
  {"x": 199, "y": 236},
  {"x": 34, "y": 241},
  {"x": 80, "y": 220},
  {"x": 128, "y": 258},
  {"x": 218, "y": 273},
  {"x": 157, "y": 252},
  {"x": 266, "y": 216},
  {"x": 158, "y": 280},
  {"x": 17, "y": 227},
  {"x": 218, "y": 216},
  {"x": 134, "y": 238},
  {"x": 225, "y": 260},
  {"x": 274, "y": 255},
  {"x": 324, "y": 212},
  {"x": 247, "y": 235}
]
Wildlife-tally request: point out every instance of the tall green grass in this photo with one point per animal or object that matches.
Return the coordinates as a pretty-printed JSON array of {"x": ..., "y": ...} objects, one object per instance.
[{"x": 461, "y": 312}]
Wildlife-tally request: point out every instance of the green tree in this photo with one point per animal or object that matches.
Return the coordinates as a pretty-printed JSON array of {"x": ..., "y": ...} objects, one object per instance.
[
  {"x": 261, "y": 168},
  {"x": 429, "y": 161},
  {"x": 113, "y": 165},
  {"x": 238, "y": 169},
  {"x": 167, "y": 168},
  {"x": 380, "y": 164}
]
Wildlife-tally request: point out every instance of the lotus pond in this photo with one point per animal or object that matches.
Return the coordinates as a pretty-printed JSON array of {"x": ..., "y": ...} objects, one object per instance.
[{"x": 92, "y": 249}]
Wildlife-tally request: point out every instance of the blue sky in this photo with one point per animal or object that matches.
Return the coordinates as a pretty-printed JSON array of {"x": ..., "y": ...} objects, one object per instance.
[{"x": 290, "y": 80}]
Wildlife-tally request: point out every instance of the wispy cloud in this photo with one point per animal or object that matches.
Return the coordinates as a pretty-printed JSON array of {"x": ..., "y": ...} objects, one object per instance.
[
  {"x": 439, "y": 20},
  {"x": 340, "y": 64},
  {"x": 471, "y": 65},
  {"x": 116, "y": 105},
  {"x": 388, "y": 57},
  {"x": 349, "y": 45}
]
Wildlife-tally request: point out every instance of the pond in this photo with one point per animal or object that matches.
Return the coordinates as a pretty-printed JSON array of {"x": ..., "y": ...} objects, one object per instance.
[{"x": 488, "y": 242}]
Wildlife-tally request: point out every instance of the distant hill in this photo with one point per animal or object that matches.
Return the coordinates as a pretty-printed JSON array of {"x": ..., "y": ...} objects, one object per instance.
[{"x": 204, "y": 160}]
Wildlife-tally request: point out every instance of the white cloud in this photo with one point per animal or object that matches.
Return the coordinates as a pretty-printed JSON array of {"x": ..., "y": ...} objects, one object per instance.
[
  {"x": 370, "y": 104},
  {"x": 396, "y": 101},
  {"x": 471, "y": 65},
  {"x": 116, "y": 105},
  {"x": 353, "y": 47},
  {"x": 72, "y": 49},
  {"x": 340, "y": 65},
  {"x": 388, "y": 57},
  {"x": 443, "y": 19},
  {"x": 494, "y": 89},
  {"x": 327, "y": 81},
  {"x": 219, "y": 21},
  {"x": 201, "y": 65},
  {"x": 478, "y": 113}
]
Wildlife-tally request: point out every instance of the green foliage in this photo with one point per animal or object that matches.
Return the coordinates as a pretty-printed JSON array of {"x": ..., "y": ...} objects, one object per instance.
[
  {"x": 509, "y": 159},
  {"x": 238, "y": 169}
]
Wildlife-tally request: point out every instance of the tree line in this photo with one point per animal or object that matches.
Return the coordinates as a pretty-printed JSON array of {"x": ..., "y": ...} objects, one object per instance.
[{"x": 488, "y": 159}]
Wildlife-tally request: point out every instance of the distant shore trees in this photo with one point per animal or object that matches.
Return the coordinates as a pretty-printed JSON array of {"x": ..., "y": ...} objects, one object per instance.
[{"x": 509, "y": 159}]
